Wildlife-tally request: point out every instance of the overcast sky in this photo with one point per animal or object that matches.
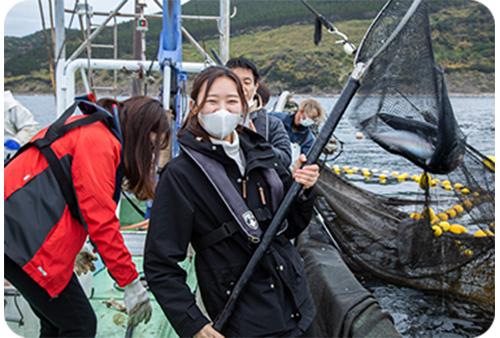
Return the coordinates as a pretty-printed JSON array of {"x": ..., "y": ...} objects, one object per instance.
[{"x": 22, "y": 17}]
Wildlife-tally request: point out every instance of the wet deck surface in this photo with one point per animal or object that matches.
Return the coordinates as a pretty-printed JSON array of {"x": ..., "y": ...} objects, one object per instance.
[{"x": 112, "y": 323}]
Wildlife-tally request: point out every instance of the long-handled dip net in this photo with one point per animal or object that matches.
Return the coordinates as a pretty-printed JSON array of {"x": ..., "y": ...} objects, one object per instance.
[
  {"x": 403, "y": 106},
  {"x": 399, "y": 37}
]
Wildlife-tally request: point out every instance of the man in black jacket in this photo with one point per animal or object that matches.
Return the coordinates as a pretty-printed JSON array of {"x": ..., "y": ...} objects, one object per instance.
[{"x": 259, "y": 121}]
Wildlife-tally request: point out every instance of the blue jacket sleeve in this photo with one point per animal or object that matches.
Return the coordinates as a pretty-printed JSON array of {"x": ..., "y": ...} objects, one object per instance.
[{"x": 307, "y": 144}]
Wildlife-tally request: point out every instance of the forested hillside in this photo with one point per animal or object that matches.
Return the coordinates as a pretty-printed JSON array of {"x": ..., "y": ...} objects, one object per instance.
[
  {"x": 284, "y": 12},
  {"x": 278, "y": 37}
]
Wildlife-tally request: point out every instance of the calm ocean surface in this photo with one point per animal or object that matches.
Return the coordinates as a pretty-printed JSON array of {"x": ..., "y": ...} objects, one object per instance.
[
  {"x": 475, "y": 115},
  {"x": 416, "y": 313}
]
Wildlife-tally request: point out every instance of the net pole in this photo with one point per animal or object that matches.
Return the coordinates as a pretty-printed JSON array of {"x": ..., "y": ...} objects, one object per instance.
[{"x": 323, "y": 137}]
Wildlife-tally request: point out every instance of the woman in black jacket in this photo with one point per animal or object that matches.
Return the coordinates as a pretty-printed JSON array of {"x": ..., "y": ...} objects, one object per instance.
[{"x": 220, "y": 194}]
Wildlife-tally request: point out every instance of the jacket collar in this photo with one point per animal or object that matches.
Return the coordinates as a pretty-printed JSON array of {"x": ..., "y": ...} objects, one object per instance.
[
  {"x": 290, "y": 122},
  {"x": 258, "y": 153}
]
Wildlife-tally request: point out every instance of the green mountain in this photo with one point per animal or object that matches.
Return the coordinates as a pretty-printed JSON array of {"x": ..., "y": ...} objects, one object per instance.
[{"x": 278, "y": 37}]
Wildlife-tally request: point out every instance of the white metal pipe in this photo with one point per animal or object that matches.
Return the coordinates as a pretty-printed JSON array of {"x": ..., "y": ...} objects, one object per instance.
[
  {"x": 224, "y": 30},
  {"x": 60, "y": 56},
  {"x": 153, "y": 16},
  {"x": 132, "y": 65},
  {"x": 200, "y": 17},
  {"x": 167, "y": 80}
]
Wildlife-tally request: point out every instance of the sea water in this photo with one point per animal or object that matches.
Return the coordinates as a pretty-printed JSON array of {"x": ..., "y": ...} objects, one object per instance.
[{"x": 416, "y": 313}]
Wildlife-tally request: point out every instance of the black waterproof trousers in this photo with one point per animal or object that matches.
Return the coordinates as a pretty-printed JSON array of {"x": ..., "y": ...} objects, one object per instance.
[{"x": 67, "y": 315}]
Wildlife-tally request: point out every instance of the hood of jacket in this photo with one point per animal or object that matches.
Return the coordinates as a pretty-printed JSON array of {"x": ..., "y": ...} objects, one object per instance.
[{"x": 257, "y": 105}]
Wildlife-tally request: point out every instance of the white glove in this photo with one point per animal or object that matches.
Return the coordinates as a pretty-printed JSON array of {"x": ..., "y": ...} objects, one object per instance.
[
  {"x": 137, "y": 303},
  {"x": 84, "y": 260}
]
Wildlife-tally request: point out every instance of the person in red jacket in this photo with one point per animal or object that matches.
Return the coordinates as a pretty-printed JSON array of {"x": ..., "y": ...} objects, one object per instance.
[{"x": 42, "y": 238}]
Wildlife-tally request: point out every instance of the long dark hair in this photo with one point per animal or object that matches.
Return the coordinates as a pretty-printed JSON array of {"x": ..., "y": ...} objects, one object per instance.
[
  {"x": 209, "y": 75},
  {"x": 139, "y": 117}
]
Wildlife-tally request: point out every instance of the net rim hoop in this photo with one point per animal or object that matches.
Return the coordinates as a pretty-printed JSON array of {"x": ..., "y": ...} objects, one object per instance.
[{"x": 395, "y": 32}]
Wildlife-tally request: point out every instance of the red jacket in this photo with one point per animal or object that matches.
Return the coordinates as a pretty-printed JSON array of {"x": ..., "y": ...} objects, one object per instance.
[{"x": 40, "y": 234}]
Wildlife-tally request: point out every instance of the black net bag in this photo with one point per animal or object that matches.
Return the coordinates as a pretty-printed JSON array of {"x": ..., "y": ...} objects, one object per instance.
[{"x": 403, "y": 103}]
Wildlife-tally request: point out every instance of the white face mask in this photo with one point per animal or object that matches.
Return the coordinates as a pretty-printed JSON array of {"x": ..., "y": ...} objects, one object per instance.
[
  {"x": 251, "y": 102},
  {"x": 219, "y": 124},
  {"x": 307, "y": 122}
]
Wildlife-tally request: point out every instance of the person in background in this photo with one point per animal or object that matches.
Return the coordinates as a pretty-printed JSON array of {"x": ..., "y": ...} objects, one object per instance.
[
  {"x": 259, "y": 120},
  {"x": 264, "y": 93},
  {"x": 298, "y": 125},
  {"x": 19, "y": 125},
  {"x": 228, "y": 178},
  {"x": 42, "y": 239}
]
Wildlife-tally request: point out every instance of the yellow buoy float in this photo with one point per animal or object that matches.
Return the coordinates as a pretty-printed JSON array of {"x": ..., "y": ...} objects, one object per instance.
[
  {"x": 491, "y": 163},
  {"x": 483, "y": 233},
  {"x": 443, "y": 216},
  {"x": 480, "y": 233},
  {"x": 432, "y": 215},
  {"x": 458, "y": 208},
  {"x": 423, "y": 180},
  {"x": 457, "y": 229},
  {"x": 451, "y": 212},
  {"x": 467, "y": 204},
  {"x": 444, "y": 225},
  {"x": 437, "y": 230}
]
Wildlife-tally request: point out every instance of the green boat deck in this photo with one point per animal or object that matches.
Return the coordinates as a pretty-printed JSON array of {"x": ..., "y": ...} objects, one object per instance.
[{"x": 113, "y": 323}]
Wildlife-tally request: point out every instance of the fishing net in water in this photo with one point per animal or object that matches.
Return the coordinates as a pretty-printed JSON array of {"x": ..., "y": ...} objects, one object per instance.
[{"x": 403, "y": 106}]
